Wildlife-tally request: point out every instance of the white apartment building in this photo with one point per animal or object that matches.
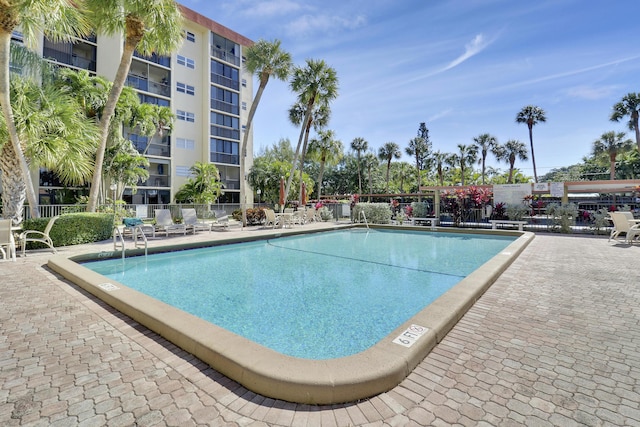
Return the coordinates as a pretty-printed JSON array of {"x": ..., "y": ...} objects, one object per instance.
[{"x": 205, "y": 85}]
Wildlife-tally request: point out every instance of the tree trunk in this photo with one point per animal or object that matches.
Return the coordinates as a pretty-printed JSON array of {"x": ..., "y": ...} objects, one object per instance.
[
  {"x": 307, "y": 117},
  {"x": 533, "y": 156},
  {"x": 107, "y": 115},
  {"x": 14, "y": 191},
  {"x": 243, "y": 148},
  {"x": 302, "y": 156},
  {"x": 22, "y": 166}
]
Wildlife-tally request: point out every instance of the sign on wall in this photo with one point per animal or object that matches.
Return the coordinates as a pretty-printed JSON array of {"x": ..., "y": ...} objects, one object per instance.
[{"x": 511, "y": 194}]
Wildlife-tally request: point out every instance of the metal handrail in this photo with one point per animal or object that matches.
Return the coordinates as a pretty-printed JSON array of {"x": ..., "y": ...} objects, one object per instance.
[
  {"x": 362, "y": 214},
  {"x": 117, "y": 234},
  {"x": 138, "y": 229}
]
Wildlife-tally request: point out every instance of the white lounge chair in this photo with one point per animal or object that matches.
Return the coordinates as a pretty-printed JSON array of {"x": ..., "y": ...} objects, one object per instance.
[
  {"x": 7, "y": 243},
  {"x": 623, "y": 223},
  {"x": 190, "y": 219},
  {"x": 270, "y": 218},
  {"x": 38, "y": 236},
  {"x": 222, "y": 220},
  {"x": 165, "y": 224}
]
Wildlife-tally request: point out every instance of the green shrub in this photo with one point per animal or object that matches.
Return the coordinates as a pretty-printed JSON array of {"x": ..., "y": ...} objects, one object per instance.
[
  {"x": 516, "y": 212},
  {"x": 73, "y": 228},
  {"x": 420, "y": 210},
  {"x": 562, "y": 216},
  {"x": 376, "y": 213}
]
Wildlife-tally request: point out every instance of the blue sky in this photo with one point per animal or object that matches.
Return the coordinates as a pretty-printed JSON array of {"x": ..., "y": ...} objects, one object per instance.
[{"x": 464, "y": 67}]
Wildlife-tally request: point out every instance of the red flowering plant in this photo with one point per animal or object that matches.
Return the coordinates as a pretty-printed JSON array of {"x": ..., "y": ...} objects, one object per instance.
[
  {"x": 408, "y": 211},
  {"x": 355, "y": 198},
  {"x": 460, "y": 201}
]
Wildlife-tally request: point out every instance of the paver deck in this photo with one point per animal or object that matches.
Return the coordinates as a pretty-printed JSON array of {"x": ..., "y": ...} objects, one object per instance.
[{"x": 554, "y": 342}]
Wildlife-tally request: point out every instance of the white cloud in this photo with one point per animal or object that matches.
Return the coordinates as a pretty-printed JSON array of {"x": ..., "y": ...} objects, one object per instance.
[
  {"x": 477, "y": 45},
  {"x": 272, "y": 8},
  {"x": 308, "y": 24}
]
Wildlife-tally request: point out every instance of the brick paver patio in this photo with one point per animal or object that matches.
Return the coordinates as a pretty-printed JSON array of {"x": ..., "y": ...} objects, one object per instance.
[{"x": 554, "y": 342}]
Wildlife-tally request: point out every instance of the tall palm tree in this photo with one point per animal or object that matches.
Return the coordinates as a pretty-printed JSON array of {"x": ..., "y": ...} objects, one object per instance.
[
  {"x": 55, "y": 135},
  {"x": 319, "y": 119},
  {"x": 316, "y": 83},
  {"x": 359, "y": 145},
  {"x": 148, "y": 26},
  {"x": 264, "y": 59},
  {"x": 59, "y": 20},
  {"x": 509, "y": 152},
  {"x": 629, "y": 106},
  {"x": 531, "y": 115},
  {"x": 419, "y": 149},
  {"x": 440, "y": 159},
  {"x": 327, "y": 150},
  {"x": 369, "y": 162},
  {"x": 485, "y": 144},
  {"x": 467, "y": 156},
  {"x": 611, "y": 143},
  {"x": 388, "y": 152}
]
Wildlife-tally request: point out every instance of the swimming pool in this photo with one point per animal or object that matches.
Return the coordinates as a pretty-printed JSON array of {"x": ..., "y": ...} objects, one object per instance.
[
  {"x": 270, "y": 373},
  {"x": 319, "y": 296}
]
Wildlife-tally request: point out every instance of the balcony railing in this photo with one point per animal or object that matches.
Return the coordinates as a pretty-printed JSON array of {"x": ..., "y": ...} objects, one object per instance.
[
  {"x": 165, "y": 61},
  {"x": 224, "y": 106},
  {"x": 69, "y": 59},
  {"x": 225, "y": 81},
  {"x": 156, "y": 181},
  {"x": 225, "y": 132},
  {"x": 231, "y": 159},
  {"x": 148, "y": 85},
  {"x": 225, "y": 56}
]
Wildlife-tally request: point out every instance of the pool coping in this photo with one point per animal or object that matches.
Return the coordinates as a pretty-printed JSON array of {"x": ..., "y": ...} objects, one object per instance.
[{"x": 272, "y": 374}]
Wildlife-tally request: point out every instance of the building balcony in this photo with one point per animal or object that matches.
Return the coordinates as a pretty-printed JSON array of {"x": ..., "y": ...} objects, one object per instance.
[
  {"x": 230, "y": 159},
  {"x": 148, "y": 85},
  {"x": 73, "y": 59},
  {"x": 156, "y": 181}
]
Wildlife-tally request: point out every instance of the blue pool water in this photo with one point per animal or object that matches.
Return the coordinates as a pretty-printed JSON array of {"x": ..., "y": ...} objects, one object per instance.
[{"x": 314, "y": 296}]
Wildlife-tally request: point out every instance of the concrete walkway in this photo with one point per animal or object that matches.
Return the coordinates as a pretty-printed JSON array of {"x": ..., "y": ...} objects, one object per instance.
[{"x": 554, "y": 342}]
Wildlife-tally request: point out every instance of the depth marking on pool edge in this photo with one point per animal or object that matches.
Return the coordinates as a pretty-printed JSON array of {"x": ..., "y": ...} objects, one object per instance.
[
  {"x": 410, "y": 335},
  {"x": 108, "y": 287}
]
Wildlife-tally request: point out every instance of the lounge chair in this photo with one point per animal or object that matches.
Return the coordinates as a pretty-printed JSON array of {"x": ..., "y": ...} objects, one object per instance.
[
  {"x": 135, "y": 225},
  {"x": 299, "y": 217},
  {"x": 190, "y": 219},
  {"x": 221, "y": 220},
  {"x": 7, "y": 243},
  {"x": 623, "y": 223},
  {"x": 270, "y": 218},
  {"x": 38, "y": 236},
  {"x": 165, "y": 224}
]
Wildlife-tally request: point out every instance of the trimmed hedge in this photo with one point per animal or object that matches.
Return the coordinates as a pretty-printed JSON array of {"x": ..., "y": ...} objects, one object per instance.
[
  {"x": 376, "y": 213},
  {"x": 73, "y": 228}
]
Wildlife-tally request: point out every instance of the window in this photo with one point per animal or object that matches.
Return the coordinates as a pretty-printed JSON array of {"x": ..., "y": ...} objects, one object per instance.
[
  {"x": 186, "y": 144},
  {"x": 244, "y": 105},
  {"x": 244, "y": 82},
  {"x": 185, "y": 88},
  {"x": 225, "y": 75},
  {"x": 186, "y": 116},
  {"x": 183, "y": 171},
  {"x": 187, "y": 62},
  {"x": 190, "y": 36}
]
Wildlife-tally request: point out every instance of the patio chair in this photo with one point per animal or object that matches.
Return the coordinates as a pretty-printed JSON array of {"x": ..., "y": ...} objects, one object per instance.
[
  {"x": 165, "y": 224},
  {"x": 7, "y": 243},
  {"x": 298, "y": 217},
  {"x": 190, "y": 219},
  {"x": 221, "y": 221},
  {"x": 270, "y": 218},
  {"x": 623, "y": 224},
  {"x": 38, "y": 236}
]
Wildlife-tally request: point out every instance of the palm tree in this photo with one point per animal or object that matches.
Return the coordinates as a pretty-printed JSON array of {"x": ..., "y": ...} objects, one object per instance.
[
  {"x": 531, "y": 115},
  {"x": 204, "y": 188},
  {"x": 319, "y": 118},
  {"x": 629, "y": 106},
  {"x": 611, "y": 143},
  {"x": 388, "y": 152},
  {"x": 316, "y": 83},
  {"x": 485, "y": 143},
  {"x": 59, "y": 20},
  {"x": 440, "y": 159},
  {"x": 370, "y": 161},
  {"x": 359, "y": 145},
  {"x": 148, "y": 26},
  {"x": 509, "y": 152},
  {"x": 467, "y": 156},
  {"x": 264, "y": 59},
  {"x": 56, "y": 135},
  {"x": 419, "y": 149},
  {"x": 327, "y": 150}
]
